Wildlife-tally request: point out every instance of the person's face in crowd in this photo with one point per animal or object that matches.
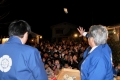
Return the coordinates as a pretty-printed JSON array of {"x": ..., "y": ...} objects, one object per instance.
[
  {"x": 57, "y": 62},
  {"x": 48, "y": 45},
  {"x": 82, "y": 49},
  {"x": 70, "y": 58},
  {"x": 55, "y": 50},
  {"x": 71, "y": 47},
  {"x": 46, "y": 55},
  {"x": 62, "y": 54},
  {"x": 59, "y": 48},
  {"x": 80, "y": 45},
  {"x": 74, "y": 57},
  {"x": 118, "y": 66},
  {"x": 51, "y": 47},
  {"x": 55, "y": 55},
  {"x": 46, "y": 66},
  {"x": 43, "y": 59},
  {"x": 66, "y": 65},
  {"x": 66, "y": 57},
  {"x": 49, "y": 62},
  {"x": 66, "y": 51}
]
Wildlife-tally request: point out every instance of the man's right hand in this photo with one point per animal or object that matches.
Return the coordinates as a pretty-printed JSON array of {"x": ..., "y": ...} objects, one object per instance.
[{"x": 81, "y": 31}]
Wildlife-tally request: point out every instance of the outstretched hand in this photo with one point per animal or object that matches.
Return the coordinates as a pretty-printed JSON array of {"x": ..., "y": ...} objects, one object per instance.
[{"x": 81, "y": 31}]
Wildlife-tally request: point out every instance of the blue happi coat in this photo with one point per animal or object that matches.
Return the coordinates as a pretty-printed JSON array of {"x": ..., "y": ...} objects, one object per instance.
[
  {"x": 98, "y": 64},
  {"x": 20, "y": 62}
]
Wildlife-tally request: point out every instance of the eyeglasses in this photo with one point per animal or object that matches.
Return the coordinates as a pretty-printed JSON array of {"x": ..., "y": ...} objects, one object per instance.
[{"x": 88, "y": 35}]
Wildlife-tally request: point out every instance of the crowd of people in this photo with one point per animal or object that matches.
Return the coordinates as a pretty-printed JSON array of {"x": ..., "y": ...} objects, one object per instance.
[{"x": 63, "y": 54}]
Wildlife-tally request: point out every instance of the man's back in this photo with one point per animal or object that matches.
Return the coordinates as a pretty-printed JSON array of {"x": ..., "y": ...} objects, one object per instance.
[{"x": 20, "y": 62}]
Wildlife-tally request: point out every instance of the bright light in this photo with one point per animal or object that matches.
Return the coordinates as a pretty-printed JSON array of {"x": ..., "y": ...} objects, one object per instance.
[
  {"x": 40, "y": 37},
  {"x": 4, "y": 40},
  {"x": 66, "y": 10},
  {"x": 75, "y": 35},
  {"x": 114, "y": 31}
]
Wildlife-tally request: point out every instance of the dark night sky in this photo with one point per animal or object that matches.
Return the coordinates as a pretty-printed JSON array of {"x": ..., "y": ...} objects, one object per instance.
[{"x": 42, "y": 14}]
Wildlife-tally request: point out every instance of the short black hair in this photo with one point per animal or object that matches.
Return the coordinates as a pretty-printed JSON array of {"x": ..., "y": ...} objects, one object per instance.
[{"x": 19, "y": 28}]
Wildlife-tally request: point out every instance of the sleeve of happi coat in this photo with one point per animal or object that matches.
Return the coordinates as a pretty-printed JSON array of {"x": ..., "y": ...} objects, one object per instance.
[{"x": 37, "y": 66}]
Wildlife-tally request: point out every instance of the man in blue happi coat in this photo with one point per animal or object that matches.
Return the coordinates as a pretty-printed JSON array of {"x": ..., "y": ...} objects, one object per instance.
[
  {"x": 17, "y": 60},
  {"x": 97, "y": 62}
]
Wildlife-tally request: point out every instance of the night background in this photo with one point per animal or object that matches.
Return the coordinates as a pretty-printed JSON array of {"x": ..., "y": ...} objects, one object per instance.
[{"x": 43, "y": 14}]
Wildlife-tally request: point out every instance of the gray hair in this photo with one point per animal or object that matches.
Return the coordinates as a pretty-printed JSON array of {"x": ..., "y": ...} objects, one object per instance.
[{"x": 99, "y": 33}]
